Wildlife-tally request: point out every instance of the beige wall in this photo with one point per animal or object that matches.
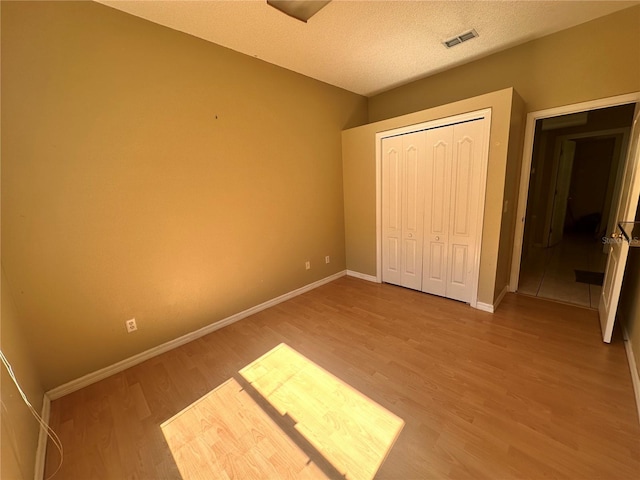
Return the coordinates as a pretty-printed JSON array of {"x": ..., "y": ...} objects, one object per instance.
[
  {"x": 511, "y": 191},
  {"x": 19, "y": 429},
  {"x": 359, "y": 170},
  {"x": 150, "y": 174},
  {"x": 597, "y": 59}
]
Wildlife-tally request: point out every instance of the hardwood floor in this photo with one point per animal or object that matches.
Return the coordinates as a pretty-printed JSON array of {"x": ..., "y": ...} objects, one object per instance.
[{"x": 528, "y": 392}]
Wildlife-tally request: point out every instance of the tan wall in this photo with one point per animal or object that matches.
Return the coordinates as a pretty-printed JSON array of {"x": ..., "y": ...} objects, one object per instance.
[
  {"x": 150, "y": 174},
  {"x": 511, "y": 187},
  {"x": 629, "y": 306},
  {"x": 597, "y": 59},
  {"x": 19, "y": 429},
  {"x": 359, "y": 169}
]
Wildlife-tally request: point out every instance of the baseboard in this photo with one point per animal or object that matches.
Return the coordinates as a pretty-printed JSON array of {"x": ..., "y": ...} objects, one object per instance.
[
  {"x": 41, "y": 451},
  {"x": 635, "y": 377},
  {"x": 485, "y": 307},
  {"x": 362, "y": 276},
  {"x": 103, "y": 373}
]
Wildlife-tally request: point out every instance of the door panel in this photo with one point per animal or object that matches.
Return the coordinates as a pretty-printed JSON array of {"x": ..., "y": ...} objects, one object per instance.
[
  {"x": 395, "y": 202},
  {"x": 465, "y": 205},
  {"x": 626, "y": 211},
  {"x": 393, "y": 255},
  {"x": 461, "y": 196},
  {"x": 403, "y": 209},
  {"x": 391, "y": 210},
  {"x": 413, "y": 152},
  {"x": 459, "y": 264},
  {"x": 438, "y": 193},
  {"x": 409, "y": 257},
  {"x": 436, "y": 220}
]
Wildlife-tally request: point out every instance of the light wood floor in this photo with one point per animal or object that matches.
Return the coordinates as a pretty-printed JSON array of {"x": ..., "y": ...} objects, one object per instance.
[{"x": 528, "y": 392}]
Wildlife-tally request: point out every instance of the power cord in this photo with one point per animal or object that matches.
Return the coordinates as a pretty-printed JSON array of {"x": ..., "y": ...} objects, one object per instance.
[{"x": 50, "y": 433}]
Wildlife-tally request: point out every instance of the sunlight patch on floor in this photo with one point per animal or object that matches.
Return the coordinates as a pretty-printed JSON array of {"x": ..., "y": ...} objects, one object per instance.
[
  {"x": 226, "y": 435},
  {"x": 282, "y": 417},
  {"x": 351, "y": 431}
]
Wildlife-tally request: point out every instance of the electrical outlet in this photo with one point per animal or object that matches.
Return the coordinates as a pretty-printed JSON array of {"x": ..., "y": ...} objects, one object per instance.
[
  {"x": 307, "y": 264},
  {"x": 131, "y": 325},
  {"x": 327, "y": 259}
]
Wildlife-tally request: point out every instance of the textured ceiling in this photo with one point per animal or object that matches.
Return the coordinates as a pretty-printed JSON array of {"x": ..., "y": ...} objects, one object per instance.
[{"x": 369, "y": 46}]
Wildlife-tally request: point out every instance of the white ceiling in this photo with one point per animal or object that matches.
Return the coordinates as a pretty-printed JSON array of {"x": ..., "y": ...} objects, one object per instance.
[{"x": 369, "y": 46}]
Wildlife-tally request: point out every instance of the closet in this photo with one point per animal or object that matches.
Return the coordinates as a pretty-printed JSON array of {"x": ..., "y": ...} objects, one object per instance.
[{"x": 432, "y": 196}]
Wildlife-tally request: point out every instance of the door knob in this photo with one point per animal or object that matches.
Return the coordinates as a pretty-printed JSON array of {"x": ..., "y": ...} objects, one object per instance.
[
  {"x": 437, "y": 238},
  {"x": 411, "y": 235}
]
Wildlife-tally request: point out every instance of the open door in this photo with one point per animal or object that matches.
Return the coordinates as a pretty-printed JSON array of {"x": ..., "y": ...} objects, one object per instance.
[
  {"x": 561, "y": 196},
  {"x": 618, "y": 246}
]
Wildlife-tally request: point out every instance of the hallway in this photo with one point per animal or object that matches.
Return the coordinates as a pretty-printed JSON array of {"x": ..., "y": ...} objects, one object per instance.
[{"x": 550, "y": 272}]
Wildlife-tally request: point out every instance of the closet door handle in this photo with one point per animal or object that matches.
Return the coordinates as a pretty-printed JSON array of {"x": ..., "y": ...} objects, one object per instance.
[
  {"x": 411, "y": 235},
  {"x": 437, "y": 238}
]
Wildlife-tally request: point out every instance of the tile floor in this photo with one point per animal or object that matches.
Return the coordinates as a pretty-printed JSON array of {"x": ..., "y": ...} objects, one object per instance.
[{"x": 550, "y": 272}]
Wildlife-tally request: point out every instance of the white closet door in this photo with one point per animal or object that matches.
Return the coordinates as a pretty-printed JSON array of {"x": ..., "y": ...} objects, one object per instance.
[
  {"x": 431, "y": 185},
  {"x": 392, "y": 210},
  {"x": 468, "y": 141},
  {"x": 403, "y": 209},
  {"x": 436, "y": 220},
  {"x": 413, "y": 149}
]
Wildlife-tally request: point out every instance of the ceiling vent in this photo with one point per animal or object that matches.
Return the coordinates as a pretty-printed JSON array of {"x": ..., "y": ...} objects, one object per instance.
[{"x": 463, "y": 37}]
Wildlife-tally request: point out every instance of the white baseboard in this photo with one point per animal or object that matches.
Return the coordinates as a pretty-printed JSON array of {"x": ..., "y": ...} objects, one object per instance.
[
  {"x": 487, "y": 307},
  {"x": 41, "y": 451},
  {"x": 362, "y": 276},
  {"x": 103, "y": 373},
  {"x": 635, "y": 377}
]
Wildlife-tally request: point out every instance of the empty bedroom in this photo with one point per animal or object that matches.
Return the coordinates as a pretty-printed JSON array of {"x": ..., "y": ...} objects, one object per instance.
[{"x": 282, "y": 239}]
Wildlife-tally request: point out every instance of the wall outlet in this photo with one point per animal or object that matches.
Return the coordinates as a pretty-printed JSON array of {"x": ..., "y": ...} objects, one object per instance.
[
  {"x": 131, "y": 325},
  {"x": 307, "y": 264},
  {"x": 327, "y": 259}
]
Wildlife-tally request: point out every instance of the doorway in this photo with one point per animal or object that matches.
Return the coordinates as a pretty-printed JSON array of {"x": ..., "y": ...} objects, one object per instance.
[{"x": 576, "y": 168}]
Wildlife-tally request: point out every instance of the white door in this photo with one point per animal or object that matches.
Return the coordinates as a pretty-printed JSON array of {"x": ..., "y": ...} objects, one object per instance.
[
  {"x": 413, "y": 154},
  {"x": 619, "y": 248},
  {"x": 392, "y": 209},
  {"x": 437, "y": 203},
  {"x": 562, "y": 187},
  {"x": 468, "y": 141},
  {"x": 453, "y": 203},
  {"x": 403, "y": 209}
]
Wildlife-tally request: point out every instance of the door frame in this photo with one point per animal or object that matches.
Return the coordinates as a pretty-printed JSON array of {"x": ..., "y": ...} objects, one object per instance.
[
  {"x": 441, "y": 122},
  {"x": 527, "y": 157}
]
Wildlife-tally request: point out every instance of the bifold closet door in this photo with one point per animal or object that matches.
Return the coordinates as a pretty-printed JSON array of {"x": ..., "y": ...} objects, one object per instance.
[
  {"x": 452, "y": 205},
  {"x": 403, "y": 176}
]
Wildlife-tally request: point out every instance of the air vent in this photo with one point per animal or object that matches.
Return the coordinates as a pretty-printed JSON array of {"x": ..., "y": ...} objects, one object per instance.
[{"x": 463, "y": 37}]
